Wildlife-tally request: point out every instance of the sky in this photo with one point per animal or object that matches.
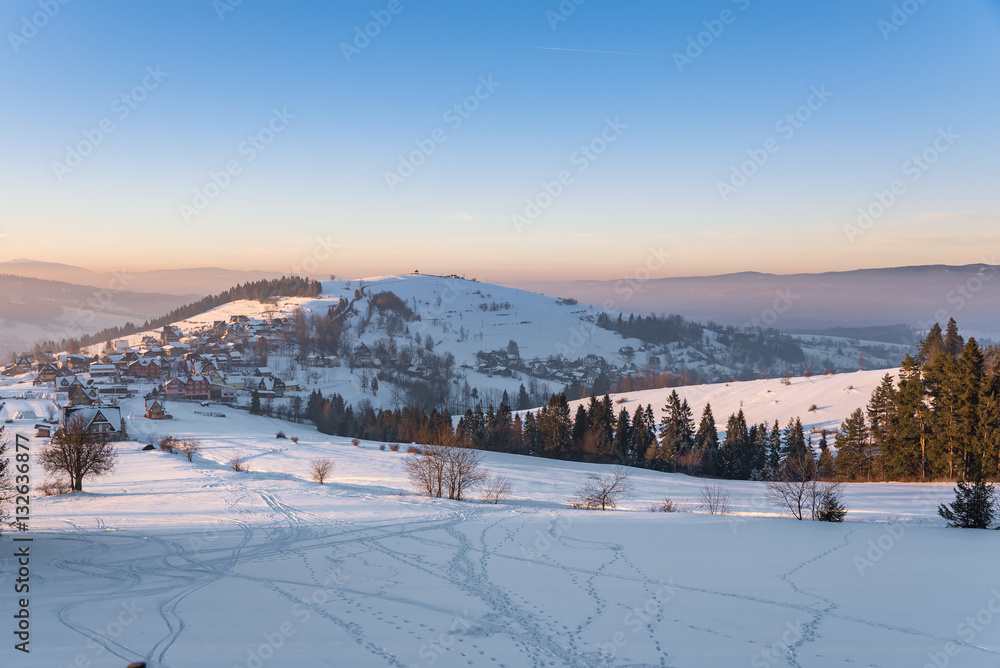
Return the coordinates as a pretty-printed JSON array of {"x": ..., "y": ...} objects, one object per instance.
[{"x": 510, "y": 141}]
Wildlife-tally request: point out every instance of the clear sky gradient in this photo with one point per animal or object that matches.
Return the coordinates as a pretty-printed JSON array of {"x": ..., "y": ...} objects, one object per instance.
[{"x": 890, "y": 87}]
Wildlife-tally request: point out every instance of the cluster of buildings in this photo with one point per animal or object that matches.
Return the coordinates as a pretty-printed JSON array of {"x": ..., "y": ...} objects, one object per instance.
[{"x": 214, "y": 365}]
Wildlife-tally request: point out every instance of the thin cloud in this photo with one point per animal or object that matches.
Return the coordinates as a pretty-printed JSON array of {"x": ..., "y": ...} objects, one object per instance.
[{"x": 613, "y": 53}]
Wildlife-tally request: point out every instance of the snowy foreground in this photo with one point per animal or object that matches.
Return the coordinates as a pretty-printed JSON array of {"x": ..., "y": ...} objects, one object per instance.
[{"x": 192, "y": 564}]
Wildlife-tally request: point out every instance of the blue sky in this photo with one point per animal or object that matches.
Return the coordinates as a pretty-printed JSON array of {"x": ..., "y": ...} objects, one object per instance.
[{"x": 331, "y": 123}]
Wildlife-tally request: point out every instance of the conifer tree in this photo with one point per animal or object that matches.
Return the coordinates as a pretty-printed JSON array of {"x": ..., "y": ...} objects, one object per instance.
[
  {"x": 623, "y": 438},
  {"x": 973, "y": 508},
  {"x": 852, "y": 461},
  {"x": 707, "y": 440}
]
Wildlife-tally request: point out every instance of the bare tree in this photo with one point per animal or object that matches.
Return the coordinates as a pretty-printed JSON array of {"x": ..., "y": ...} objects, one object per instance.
[
  {"x": 463, "y": 469},
  {"x": 190, "y": 447},
  {"x": 604, "y": 492},
  {"x": 443, "y": 468},
  {"x": 320, "y": 469},
  {"x": 496, "y": 488},
  {"x": 715, "y": 498},
  {"x": 426, "y": 470},
  {"x": 803, "y": 496},
  {"x": 78, "y": 452}
]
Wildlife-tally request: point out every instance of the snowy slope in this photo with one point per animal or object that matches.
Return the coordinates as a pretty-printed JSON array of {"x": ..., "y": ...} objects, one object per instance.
[
  {"x": 193, "y": 564},
  {"x": 835, "y": 397}
]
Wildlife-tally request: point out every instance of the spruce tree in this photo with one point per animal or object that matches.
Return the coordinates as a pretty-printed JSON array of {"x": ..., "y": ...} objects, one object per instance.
[
  {"x": 707, "y": 440},
  {"x": 623, "y": 438},
  {"x": 973, "y": 508},
  {"x": 852, "y": 461}
]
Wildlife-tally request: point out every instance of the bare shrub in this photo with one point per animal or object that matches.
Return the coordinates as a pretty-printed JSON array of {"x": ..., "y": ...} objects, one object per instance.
[
  {"x": 238, "y": 463},
  {"x": 496, "y": 488},
  {"x": 295, "y": 439},
  {"x": 280, "y": 434},
  {"x": 665, "y": 506},
  {"x": 55, "y": 487},
  {"x": 394, "y": 447},
  {"x": 812, "y": 408},
  {"x": 381, "y": 446},
  {"x": 320, "y": 469},
  {"x": 425, "y": 470},
  {"x": 168, "y": 443},
  {"x": 412, "y": 450},
  {"x": 715, "y": 498},
  {"x": 796, "y": 489},
  {"x": 603, "y": 492},
  {"x": 190, "y": 447},
  {"x": 355, "y": 442}
]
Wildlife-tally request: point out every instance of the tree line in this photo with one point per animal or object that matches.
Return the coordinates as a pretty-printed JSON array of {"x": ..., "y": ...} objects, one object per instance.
[{"x": 940, "y": 421}]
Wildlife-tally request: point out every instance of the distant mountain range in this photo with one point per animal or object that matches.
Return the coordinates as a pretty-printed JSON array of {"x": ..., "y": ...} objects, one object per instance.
[
  {"x": 915, "y": 296},
  {"x": 200, "y": 281},
  {"x": 33, "y": 310}
]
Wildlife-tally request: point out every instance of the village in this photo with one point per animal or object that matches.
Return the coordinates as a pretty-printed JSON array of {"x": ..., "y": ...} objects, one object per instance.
[{"x": 215, "y": 365}]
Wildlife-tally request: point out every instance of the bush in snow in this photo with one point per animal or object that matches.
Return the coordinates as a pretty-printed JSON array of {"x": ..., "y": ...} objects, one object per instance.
[
  {"x": 496, "y": 488},
  {"x": 973, "y": 508},
  {"x": 603, "y": 492},
  {"x": 168, "y": 443},
  {"x": 189, "y": 447},
  {"x": 394, "y": 447},
  {"x": 381, "y": 446},
  {"x": 715, "y": 498},
  {"x": 320, "y": 469},
  {"x": 280, "y": 434},
  {"x": 355, "y": 442},
  {"x": 665, "y": 506}
]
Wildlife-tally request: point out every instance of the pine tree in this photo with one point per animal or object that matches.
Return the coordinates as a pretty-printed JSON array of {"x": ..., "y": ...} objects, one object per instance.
[
  {"x": 968, "y": 383},
  {"x": 523, "y": 400},
  {"x": 953, "y": 342},
  {"x": 623, "y": 438},
  {"x": 882, "y": 420},
  {"x": 906, "y": 454},
  {"x": 643, "y": 435},
  {"x": 852, "y": 461},
  {"x": 707, "y": 440},
  {"x": 255, "y": 403},
  {"x": 973, "y": 508}
]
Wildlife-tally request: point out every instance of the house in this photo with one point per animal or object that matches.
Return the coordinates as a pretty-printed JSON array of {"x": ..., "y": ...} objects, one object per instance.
[
  {"x": 73, "y": 362},
  {"x": 83, "y": 396},
  {"x": 121, "y": 345},
  {"x": 189, "y": 387},
  {"x": 47, "y": 373},
  {"x": 169, "y": 334},
  {"x": 362, "y": 355},
  {"x": 43, "y": 430},
  {"x": 104, "y": 422},
  {"x": 23, "y": 363},
  {"x": 265, "y": 386},
  {"x": 150, "y": 369},
  {"x": 156, "y": 411},
  {"x": 65, "y": 383},
  {"x": 263, "y": 371},
  {"x": 102, "y": 370},
  {"x": 223, "y": 393}
]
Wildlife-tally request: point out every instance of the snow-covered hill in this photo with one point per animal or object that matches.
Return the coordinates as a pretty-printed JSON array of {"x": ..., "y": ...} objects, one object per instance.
[
  {"x": 821, "y": 402},
  {"x": 471, "y": 342}
]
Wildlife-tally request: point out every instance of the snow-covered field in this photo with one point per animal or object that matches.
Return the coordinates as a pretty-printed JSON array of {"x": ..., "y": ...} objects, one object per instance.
[{"x": 193, "y": 564}]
